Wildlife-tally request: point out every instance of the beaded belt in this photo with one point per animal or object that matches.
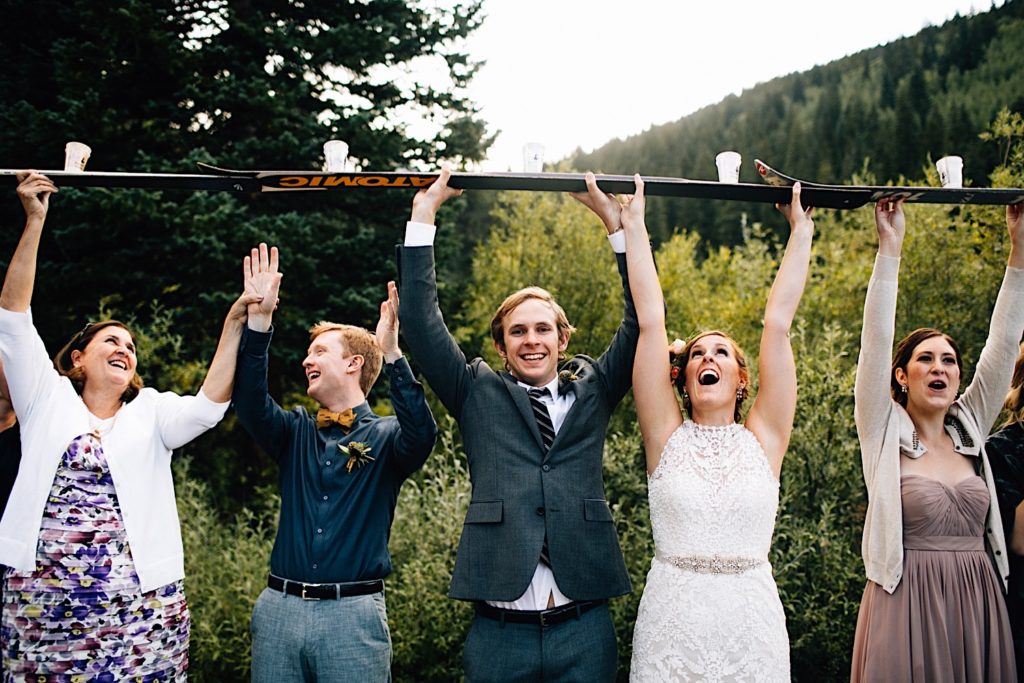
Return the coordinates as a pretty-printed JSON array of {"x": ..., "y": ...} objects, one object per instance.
[{"x": 712, "y": 564}]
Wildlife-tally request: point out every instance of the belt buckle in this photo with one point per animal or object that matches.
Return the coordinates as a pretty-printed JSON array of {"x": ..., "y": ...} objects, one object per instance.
[
  {"x": 544, "y": 618},
  {"x": 304, "y": 596}
]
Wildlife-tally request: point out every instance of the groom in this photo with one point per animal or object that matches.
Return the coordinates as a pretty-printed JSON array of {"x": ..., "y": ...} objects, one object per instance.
[{"x": 538, "y": 555}]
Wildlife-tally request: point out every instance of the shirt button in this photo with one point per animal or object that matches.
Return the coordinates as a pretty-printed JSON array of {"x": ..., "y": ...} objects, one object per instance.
[
  {"x": 546, "y": 468},
  {"x": 325, "y": 497},
  {"x": 314, "y": 565},
  {"x": 319, "y": 531},
  {"x": 540, "y": 511},
  {"x": 328, "y": 462}
]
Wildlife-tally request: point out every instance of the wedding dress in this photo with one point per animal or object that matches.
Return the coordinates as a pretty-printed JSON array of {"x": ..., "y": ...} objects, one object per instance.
[{"x": 710, "y": 610}]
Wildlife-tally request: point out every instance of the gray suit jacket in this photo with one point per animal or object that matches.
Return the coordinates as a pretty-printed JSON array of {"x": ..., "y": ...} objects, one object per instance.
[{"x": 518, "y": 491}]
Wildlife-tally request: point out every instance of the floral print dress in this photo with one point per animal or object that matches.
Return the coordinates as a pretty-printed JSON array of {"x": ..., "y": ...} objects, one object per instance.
[{"x": 80, "y": 616}]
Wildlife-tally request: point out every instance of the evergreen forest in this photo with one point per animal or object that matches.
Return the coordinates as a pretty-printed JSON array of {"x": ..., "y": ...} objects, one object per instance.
[{"x": 158, "y": 85}]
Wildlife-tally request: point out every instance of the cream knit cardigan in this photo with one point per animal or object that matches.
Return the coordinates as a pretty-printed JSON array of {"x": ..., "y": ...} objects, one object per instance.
[{"x": 885, "y": 429}]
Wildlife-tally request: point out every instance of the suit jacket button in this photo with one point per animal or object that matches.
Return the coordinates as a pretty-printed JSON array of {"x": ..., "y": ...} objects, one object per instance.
[
  {"x": 546, "y": 468},
  {"x": 540, "y": 511}
]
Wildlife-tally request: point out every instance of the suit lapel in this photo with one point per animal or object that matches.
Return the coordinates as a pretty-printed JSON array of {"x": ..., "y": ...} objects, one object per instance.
[{"x": 522, "y": 402}]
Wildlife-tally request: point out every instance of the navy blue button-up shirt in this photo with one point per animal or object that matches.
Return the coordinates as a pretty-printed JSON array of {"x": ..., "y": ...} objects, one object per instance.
[{"x": 335, "y": 524}]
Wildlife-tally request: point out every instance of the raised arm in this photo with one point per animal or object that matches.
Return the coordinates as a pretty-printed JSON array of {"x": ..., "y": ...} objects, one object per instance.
[
  {"x": 426, "y": 336},
  {"x": 34, "y": 191},
  {"x": 656, "y": 404},
  {"x": 417, "y": 430},
  {"x": 771, "y": 416},
  {"x": 871, "y": 390},
  {"x": 984, "y": 396},
  {"x": 259, "y": 272},
  {"x": 615, "y": 365}
]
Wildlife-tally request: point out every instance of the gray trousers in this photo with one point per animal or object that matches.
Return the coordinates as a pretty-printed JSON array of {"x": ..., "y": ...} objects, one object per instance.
[
  {"x": 321, "y": 641},
  {"x": 580, "y": 650}
]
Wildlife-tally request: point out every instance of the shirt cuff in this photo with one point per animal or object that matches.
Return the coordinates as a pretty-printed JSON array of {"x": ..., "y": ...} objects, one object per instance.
[
  {"x": 419, "y": 234},
  {"x": 618, "y": 241},
  {"x": 399, "y": 371},
  {"x": 255, "y": 343}
]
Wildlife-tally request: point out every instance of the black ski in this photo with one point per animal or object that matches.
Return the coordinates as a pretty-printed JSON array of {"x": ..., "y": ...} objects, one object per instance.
[{"x": 918, "y": 195}]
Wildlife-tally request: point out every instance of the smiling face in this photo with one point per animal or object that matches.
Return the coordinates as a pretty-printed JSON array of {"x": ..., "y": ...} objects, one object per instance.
[
  {"x": 532, "y": 343},
  {"x": 715, "y": 370},
  {"x": 331, "y": 370},
  {"x": 931, "y": 376},
  {"x": 108, "y": 358}
]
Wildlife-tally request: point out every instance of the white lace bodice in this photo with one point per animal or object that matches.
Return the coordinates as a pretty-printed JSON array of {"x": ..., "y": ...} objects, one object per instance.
[{"x": 713, "y": 493}]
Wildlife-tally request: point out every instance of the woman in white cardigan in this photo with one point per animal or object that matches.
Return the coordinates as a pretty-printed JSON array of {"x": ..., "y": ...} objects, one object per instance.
[
  {"x": 91, "y": 534},
  {"x": 932, "y": 609}
]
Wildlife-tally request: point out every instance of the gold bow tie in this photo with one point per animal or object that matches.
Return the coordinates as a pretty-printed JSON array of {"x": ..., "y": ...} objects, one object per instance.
[{"x": 325, "y": 418}]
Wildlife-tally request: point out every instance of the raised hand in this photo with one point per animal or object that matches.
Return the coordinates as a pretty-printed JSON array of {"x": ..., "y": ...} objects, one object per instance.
[
  {"x": 891, "y": 226},
  {"x": 604, "y": 204},
  {"x": 34, "y": 190},
  {"x": 799, "y": 217},
  {"x": 262, "y": 281},
  {"x": 387, "y": 326},
  {"x": 428, "y": 200},
  {"x": 634, "y": 205}
]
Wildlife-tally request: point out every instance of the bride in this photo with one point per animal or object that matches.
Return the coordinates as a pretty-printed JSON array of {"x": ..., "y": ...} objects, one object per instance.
[{"x": 710, "y": 609}]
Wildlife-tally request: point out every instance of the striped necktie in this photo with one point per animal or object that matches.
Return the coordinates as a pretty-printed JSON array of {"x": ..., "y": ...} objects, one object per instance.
[
  {"x": 547, "y": 436},
  {"x": 543, "y": 417}
]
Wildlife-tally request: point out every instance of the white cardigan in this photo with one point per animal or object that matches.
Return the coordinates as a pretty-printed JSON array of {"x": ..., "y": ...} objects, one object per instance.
[
  {"x": 137, "y": 449},
  {"x": 886, "y": 430}
]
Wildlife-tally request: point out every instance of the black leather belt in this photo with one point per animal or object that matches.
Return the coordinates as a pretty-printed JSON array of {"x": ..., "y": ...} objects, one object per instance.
[
  {"x": 547, "y": 617},
  {"x": 324, "y": 591}
]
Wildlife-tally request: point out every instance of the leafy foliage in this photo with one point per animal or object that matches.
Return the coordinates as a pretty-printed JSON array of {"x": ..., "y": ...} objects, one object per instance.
[{"x": 259, "y": 83}]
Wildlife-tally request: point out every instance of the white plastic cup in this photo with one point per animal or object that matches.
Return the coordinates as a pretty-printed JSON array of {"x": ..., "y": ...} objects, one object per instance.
[
  {"x": 728, "y": 164},
  {"x": 76, "y": 156},
  {"x": 951, "y": 171},
  {"x": 336, "y": 156},
  {"x": 533, "y": 157}
]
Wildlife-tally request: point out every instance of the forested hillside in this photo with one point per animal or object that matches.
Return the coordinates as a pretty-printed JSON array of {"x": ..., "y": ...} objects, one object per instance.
[{"x": 880, "y": 113}]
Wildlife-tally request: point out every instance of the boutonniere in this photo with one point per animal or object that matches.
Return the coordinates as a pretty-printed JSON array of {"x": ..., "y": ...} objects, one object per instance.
[
  {"x": 569, "y": 374},
  {"x": 358, "y": 454}
]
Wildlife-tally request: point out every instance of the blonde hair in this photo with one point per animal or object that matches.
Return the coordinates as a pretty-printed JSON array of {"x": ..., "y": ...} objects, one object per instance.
[
  {"x": 358, "y": 342},
  {"x": 565, "y": 329}
]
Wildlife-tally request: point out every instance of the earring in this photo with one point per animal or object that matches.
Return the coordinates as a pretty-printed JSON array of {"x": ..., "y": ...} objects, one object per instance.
[
  {"x": 903, "y": 388},
  {"x": 686, "y": 396},
  {"x": 740, "y": 395}
]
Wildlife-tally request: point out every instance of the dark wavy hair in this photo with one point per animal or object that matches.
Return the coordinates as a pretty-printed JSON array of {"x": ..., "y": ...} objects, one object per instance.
[
  {"x": 905, "y": 351},
  {"x": 62, "y": 361}
]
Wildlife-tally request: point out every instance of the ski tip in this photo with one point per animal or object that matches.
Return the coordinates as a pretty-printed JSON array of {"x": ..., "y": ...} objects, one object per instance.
[
  {"x": 220, "y": 170},
  {"x": 770, "y": 175}
]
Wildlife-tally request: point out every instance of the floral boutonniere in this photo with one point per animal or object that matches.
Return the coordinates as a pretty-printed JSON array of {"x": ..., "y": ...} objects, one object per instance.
[
  {"x": 570, "y": 372},
  {"x": 358, "y": 454}
]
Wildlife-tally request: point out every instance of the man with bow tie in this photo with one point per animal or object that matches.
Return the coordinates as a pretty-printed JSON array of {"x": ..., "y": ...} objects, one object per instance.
[
  {"x": 322, "y": 616},
  {"x": 538, "y": 556}
]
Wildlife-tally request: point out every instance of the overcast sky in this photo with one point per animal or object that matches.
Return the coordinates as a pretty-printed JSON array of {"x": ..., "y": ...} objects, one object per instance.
[{"x": 577, "y": 73}]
